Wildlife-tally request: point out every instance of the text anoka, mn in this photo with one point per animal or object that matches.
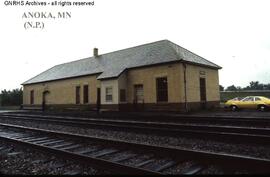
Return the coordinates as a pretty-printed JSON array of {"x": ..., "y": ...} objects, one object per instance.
[
  {"x": 48, "y": 15},
  {"x": 36, "y": 19}
]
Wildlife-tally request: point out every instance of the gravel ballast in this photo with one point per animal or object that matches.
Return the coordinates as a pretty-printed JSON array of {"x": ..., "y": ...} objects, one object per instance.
[
  {"x": 261, "y": 151},
  {"x": 18, "y": 160}
]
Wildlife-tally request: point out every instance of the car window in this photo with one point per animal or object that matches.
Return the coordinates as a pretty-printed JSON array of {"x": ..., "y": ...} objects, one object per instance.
[
  {"x": 257, "y": 99},
  {"x": 248, "y": 99}
]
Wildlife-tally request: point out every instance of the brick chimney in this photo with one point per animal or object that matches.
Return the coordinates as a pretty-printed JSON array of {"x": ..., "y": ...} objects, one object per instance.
[{"x": 95, "y": 52}]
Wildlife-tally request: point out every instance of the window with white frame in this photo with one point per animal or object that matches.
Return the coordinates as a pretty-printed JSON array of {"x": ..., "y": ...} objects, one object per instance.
[{"x": 109, "y": 92}]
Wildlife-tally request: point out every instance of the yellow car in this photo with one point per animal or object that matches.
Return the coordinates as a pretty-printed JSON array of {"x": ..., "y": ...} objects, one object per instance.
[{"x": 250, "y": 102}]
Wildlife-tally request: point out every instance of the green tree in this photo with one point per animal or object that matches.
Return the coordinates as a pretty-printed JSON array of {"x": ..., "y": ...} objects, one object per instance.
[
  {"x": 221, "y": 88},
  {"x": 267, "y": 87},
  {"x": 11, "y": 97},
  {"x": 254, "y": 85},
  {"x": 231, "y": 88}
]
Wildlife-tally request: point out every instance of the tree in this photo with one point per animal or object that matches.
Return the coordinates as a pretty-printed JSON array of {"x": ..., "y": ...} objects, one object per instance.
[
  {"x": 11, "y": 97},
  {"x": 255, "y": 85},
  {"x": 231, "y": 88},
  {"x": 266, "y": 87},
  {"x": 221, "y": 88}
]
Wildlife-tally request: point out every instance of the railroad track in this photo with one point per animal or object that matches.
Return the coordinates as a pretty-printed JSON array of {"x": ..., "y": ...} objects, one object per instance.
[
  {"x": 230, "y": 133},
  {"x": 121, "y": 157},
  {"x": 220, "y": 119}
]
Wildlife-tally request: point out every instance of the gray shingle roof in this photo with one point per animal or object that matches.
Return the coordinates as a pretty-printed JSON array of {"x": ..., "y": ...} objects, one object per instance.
[{"x": 113, "y": 64}]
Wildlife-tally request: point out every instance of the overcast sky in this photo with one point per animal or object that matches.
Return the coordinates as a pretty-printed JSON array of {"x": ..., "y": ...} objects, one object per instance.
[{"x": 234, "y": 34}]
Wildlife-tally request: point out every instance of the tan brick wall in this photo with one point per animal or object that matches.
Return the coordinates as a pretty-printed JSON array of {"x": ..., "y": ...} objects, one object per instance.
[
  {"x": 147, "y": 76},
  {"x": 175, "y": 77},
  {"x": 193, "y": 83},
  {"x": 62, "y": 91}
]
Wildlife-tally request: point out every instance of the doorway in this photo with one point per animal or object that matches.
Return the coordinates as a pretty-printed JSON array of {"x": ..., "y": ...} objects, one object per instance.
[
  {"x": 44, "y": 99},
  {"x": 138, "y": 101},
  {"x": 203, "y": 93},
  {"x": 98, "y": 99}
]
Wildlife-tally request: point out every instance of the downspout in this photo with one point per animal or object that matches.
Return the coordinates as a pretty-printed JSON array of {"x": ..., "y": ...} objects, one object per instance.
[{"x": 185, "y": 87}]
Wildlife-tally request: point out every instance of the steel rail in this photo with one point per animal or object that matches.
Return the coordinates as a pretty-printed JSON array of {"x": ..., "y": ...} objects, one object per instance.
[
  {"x": 254, "y": 135},
  {"x": 150, "y": 124},
  {"x": 157, "y": 118},
  {"x": 258, "y": 165},
  {"x": 232, "y": 122},
  {"x": 115, "y": 167}
]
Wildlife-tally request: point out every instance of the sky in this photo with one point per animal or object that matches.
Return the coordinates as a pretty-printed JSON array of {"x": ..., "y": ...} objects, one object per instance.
[{"x": 233, "y": 34}]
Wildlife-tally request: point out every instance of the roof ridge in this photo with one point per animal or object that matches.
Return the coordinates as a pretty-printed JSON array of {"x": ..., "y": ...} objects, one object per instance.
[
  {"x": 74, "y": 61},
  {"x": 114, "y": 51},
  {"x": 193, "y": 53},
  {"x": 134, "y": 47},
  {"x": 160, "y": 51}
]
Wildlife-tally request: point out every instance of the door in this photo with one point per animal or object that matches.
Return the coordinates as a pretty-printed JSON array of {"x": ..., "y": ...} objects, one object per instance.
[
  {"x": 203, "y": 93},
  {"x": 44, "y": 99},
  {"x": 98, "y": 98},
  {"x": 138, "y": 93},
  {"x": 138, "y": 101},
  {"x": 247, "y": 102},
  {"x": 78, "y": 90}
]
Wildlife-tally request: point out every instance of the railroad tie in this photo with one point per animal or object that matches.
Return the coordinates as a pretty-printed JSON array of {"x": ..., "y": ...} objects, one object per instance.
[
  {"x": 44, "y": 141},
  {"x": 20, "y": 137},
  {"x": 105, "y": 152},
  {"x": 36, "y": 139},
  {"x": 193, "y": 169},
  {"x": 165, "y": 166},
  {"x": 120, "y": 159},
  {"x": 71, "y": 147},
  {"x": 85, "y": 151},
  {"x": 27, "y": 138},
  {"x": 52, "y": 142},
  {"x": 62, "y": 145},
  {"x": 16, "y": 136},
  {"x": 144, "y": 163}
]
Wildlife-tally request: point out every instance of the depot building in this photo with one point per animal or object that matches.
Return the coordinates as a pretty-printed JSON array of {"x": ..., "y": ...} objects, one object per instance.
[{"x": 155, "y": 76}]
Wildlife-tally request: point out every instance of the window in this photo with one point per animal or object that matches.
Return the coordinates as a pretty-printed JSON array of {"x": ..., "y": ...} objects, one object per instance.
[
  {"x": 85, "y": 94},
  {"x": 257, "y": 99},
  {"x": 122, "y": 95},
  {"x": 109, "y": 94},
  {"x": 32, "y": 97},
  {"x": 162, "y": 89},
  {"x": 78, "y": 88},
  {"x": 138, "y": 90},
  {"x": 248, "y": 99}
]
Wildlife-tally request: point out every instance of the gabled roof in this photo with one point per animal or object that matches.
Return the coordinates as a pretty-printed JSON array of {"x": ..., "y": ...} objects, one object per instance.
[{"x": 113, "y": 64}]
